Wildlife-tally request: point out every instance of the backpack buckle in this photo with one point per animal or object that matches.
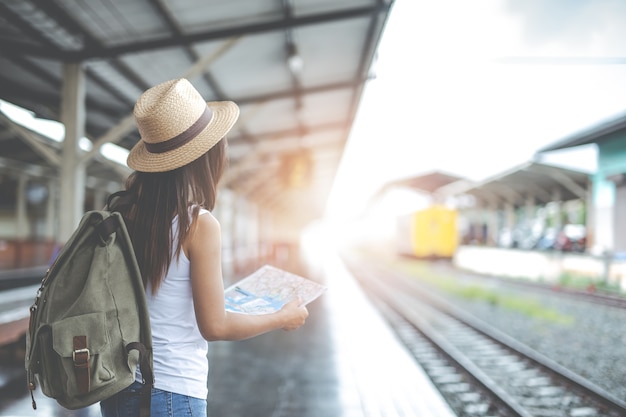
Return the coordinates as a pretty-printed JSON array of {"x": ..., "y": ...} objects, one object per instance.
[{"x": 79, "y": 351}]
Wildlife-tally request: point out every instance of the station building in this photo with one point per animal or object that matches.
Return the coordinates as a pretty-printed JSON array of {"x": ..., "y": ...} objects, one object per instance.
[{"x": 518, "y": 216}]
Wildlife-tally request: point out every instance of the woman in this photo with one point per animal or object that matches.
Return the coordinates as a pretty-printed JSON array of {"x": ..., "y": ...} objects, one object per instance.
[{"x": 178, "y": 163}]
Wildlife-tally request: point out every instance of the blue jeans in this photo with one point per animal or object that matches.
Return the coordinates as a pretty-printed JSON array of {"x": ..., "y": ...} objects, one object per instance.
[{"x": 162, "y": 404}]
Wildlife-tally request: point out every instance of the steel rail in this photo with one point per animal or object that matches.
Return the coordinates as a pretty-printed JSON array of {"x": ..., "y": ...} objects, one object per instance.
[{"x": 402, "y": 299}]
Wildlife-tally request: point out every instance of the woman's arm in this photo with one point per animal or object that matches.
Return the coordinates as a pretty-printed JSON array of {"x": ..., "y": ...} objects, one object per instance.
[{"x": 203, "y": 248}]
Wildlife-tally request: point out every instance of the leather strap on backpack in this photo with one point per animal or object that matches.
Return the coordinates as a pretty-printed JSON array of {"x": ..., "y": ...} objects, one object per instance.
[
  {"x": 107, "y": 227},
  {"x": 146, "y": 374},
  {"x": 80, "y": 356}
]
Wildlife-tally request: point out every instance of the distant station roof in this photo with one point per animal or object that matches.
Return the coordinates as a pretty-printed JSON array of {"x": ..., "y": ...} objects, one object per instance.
[
  {"x": 296, "y": 69},
  {"x": 426, "y": 183},
  {"x": 595, "y": 134},
  {"x": 544, "y": 183}
]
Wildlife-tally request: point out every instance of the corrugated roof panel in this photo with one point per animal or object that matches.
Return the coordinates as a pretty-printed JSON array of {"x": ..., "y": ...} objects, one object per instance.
[
  {"x": 115, "y": 22},
  {"x": 30, "y": 78},
  {"x": 160, "y": 65},
  {"x": 327, "y": 108},
  {"x": 47, "y": 28},
  {"x": 99, "y": 120},
  {"x": 320, "y": 139},
  {"x": 49, "y": 66},
  {"x": 307, "y": 7},
  {"x": 115, "y": 79},
  {"x": 199, "y": 15},
  {"x": 340, "y": 43},
  {"x": 265, "y": 117},
  {"x": 9, "y": 31},
  {"x": 254, "y": 66}
]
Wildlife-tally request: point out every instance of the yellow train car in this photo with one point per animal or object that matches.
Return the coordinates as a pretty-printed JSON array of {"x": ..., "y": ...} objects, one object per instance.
[{"x": 429, "y": 233}]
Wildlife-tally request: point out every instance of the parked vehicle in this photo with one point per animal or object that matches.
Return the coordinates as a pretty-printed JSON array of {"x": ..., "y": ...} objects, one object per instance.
[
  {"x": 428, "y": 233},
  {"x": 572, "y": 238}
]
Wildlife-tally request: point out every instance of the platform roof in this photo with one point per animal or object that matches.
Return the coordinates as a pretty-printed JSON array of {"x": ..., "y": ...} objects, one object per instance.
[
  {"x": 426, "y": 183},
  {"x": 543, "y": 182},
  {"x": 595, "y": 134},
  {"x": 296, "y": 69}
]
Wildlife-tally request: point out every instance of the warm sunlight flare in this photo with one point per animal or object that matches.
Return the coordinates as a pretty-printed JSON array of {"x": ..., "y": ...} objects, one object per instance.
[{"x": 479, "y": 90}]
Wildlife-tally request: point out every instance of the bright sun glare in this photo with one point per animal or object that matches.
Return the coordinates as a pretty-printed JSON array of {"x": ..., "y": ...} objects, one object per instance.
[{"x": 450, "y": 96}]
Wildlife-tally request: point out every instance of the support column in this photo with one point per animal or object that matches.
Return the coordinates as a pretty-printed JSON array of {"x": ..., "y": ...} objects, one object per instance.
[{"x": 73, "y": 171}]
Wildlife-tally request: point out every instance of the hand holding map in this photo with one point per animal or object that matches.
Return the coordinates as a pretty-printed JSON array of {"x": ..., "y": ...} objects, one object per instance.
[{"x": 267, "y": 289}]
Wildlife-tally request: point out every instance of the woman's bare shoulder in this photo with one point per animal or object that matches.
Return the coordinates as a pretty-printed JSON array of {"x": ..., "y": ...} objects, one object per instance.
[
  {"x": 204, "y": 234},
  {"x": 206, "y": 230},
  {"x": 207, "y": 219}
]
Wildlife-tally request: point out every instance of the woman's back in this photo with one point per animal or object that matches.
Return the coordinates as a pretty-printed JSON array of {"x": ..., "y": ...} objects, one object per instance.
[{"x": 179, "y": 350}]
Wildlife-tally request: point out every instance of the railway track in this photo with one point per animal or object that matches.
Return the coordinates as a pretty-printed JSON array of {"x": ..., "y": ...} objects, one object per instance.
[
  {"x": 479, "y": 370},
  {"x": 590, "y": 295}
]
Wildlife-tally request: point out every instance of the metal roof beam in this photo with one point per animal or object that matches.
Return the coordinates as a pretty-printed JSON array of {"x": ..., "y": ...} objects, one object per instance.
[
  {"x": 367, "y": 56},
  {"x": 11, "y": 92},
  {"x": 94, "y": 51},
  {"x": 566, "y": 181},
  {"x": 31, "y": 140},
  {"x": 233, "y": 140},
  {"x": 532, "y": 187},
  {"x": 26, "y": 168},
  {"x": 310, "y": 90},
  {"x": 241, "y": 101},
  {"x": 503, "y": 192}
]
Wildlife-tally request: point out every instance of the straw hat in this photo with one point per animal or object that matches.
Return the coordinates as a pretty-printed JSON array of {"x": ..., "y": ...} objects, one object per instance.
[{"x": 177, "y": 126}]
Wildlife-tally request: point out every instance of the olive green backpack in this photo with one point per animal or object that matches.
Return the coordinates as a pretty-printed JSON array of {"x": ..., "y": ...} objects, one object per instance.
[{"x": 89, "y": 325}]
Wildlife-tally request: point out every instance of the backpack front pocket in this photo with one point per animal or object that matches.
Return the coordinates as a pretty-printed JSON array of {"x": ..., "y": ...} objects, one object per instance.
[{"x": 83, "y": 351}]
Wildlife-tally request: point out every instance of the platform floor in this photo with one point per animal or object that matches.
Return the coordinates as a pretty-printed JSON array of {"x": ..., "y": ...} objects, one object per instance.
[{"x": 345, "y": 362}]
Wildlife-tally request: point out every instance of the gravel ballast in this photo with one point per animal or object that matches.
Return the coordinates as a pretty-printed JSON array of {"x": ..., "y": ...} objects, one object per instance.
[{"x": 587, "y": 338}]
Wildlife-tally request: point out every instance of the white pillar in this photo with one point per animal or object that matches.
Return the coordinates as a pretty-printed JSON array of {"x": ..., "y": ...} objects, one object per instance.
[{"x": 72, "y": 170}]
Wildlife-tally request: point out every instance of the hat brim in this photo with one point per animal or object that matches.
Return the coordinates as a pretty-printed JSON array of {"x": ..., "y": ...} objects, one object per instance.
[{"x": 225, "y": 114}]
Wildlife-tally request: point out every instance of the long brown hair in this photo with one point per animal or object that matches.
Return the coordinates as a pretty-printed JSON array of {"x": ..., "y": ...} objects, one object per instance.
[{"x": 153, "y": 199}]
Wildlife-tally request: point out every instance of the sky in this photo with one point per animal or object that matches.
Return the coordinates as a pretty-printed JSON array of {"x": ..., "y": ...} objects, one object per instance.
[{"x": 476, "y": 88}]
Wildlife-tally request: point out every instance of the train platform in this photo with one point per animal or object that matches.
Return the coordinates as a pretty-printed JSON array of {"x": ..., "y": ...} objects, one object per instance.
[{"x": 345, "y": 362}]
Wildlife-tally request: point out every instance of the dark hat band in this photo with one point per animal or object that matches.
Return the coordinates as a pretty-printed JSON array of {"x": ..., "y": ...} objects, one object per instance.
[{"x": 183, "y": 138}]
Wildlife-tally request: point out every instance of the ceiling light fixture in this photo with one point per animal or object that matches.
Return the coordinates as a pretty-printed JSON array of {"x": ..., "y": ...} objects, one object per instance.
[{"x": 294, "y": 60}]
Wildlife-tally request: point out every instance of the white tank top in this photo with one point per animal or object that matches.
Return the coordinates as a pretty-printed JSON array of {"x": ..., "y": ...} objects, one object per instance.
[{"x": 181, "y": 365}]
